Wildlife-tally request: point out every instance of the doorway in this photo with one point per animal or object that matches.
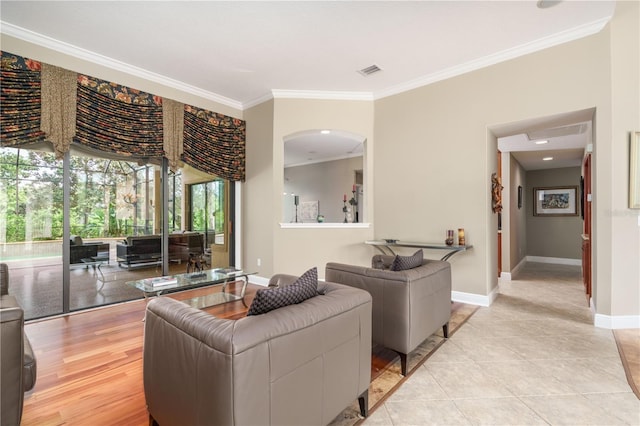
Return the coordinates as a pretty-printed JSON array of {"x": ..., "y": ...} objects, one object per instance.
[{"x": 564, "y": 137}]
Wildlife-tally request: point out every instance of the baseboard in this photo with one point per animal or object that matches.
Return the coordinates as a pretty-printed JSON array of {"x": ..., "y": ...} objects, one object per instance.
[
  {"x": 505, "y": 276},
  {"x": 508, "y": 276},
  {"x": 475, "y": 299},
  {"x": 556, "y": 260},
  {"x": 616, "y": 322},
  {"x": 256, "y": 279}
]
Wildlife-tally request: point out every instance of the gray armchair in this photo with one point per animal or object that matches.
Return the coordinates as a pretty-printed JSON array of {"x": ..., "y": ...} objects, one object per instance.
[
  {"x": 408, "y": 306},
  {"x": 17, "y": 360},
  {"x": 300, "y": 364}
]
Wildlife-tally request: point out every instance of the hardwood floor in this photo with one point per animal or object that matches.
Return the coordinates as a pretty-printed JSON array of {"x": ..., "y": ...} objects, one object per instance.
[{"x": 90, "y": 363}]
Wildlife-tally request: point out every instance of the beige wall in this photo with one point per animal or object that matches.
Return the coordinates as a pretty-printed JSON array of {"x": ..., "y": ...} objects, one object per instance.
[
  {"x": 296, "y": 250},
  {"x": 556, "y": 236},
  {"x": 434, "y": 155},
  {"x": 259, "y": 214},
  {"x": 517, "y": 216},
  {"x": 618, "y": 227},
  {"x": 285, "y": 250}
]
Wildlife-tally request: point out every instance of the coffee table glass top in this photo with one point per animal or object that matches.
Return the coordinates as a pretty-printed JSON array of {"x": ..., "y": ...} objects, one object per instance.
[{"x": 189, "y": 280}]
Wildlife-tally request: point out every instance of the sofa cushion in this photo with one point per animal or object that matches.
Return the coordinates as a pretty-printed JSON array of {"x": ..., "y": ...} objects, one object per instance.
[
  {"x": 268, "y": 299},
  {"x": 402, "y": 263},
  {"x": 76, "y": 240}
]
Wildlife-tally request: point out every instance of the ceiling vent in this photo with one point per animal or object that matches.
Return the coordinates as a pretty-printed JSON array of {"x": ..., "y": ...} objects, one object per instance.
[
  {"x": 372, "y": 69},
  {"x": 575, "y": 129}
]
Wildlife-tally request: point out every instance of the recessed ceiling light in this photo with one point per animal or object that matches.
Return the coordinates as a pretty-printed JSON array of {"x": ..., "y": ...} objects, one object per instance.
[
  {"x": 325, "y": 132},
  {"x": 547, "y": 159},
  {"x": 541, "y": 142}
]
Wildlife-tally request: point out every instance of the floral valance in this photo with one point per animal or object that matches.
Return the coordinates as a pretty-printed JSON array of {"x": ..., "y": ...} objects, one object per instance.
[
  {"x": 20, "y": 99},
  {"x": 214, "y": 143},
  {"x": 42, "y": 102},
  {"x": 118, "y": 119}
]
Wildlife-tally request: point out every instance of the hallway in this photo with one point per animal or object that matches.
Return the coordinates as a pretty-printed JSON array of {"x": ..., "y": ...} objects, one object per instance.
[{"x": 533, "y": 357}]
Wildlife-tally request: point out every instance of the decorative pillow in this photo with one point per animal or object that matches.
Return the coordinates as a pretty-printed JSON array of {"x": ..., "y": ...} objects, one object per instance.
[
  {"x": 402, "y": 263},
  {"x": 268, "y": 299}
]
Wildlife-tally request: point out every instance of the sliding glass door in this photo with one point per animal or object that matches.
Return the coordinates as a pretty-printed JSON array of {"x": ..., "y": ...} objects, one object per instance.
[
  {"x": 111, "y": 206},
  {"x": 31, "y": 227},
  {"x": 110, "y": 201}
]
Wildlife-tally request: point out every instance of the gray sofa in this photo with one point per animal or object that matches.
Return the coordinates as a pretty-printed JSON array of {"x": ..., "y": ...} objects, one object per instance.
[
  {"x": 17, "y": 360},
  {"x": 408, "y": 306},
  {"x": 300, "y": 364}
]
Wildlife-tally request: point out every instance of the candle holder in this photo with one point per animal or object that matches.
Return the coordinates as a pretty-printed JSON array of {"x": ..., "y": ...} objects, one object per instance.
[
  {"x": 296, "y": 201},
  {"x": 354, "y": 203},
  {"x": 449, "y": 240},
  {"x": 461, "y": 239},
  {"x": 344, "y": 209}
]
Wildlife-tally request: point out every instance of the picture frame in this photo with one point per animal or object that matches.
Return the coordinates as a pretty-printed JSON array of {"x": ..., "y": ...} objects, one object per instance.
[
  {"x": 309, "y": 211},
  {"x": 519, "y": 197},
  {"x": 555, "y": 201},
  {"x": 634, "y": 170}
]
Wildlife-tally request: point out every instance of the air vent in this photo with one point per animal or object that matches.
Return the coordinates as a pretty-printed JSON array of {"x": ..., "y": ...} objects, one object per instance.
[
  {"x": 575, "y": 129},
  {"x": 372, "y": 69}
]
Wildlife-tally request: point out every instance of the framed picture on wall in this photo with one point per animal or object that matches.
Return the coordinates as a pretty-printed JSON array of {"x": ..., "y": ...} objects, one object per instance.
[
  {"x": 555, "y": 201},
  {"x": 519, "y": 196},
  {"x": 309, "y": 211}
]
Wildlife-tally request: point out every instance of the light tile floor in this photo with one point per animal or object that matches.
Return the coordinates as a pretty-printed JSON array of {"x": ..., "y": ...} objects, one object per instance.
[{"x": 532, "y": 358}]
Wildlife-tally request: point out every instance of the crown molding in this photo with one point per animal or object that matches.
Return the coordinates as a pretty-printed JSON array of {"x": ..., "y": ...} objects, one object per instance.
[
  {"x": 524, "y": 49},
  {"x": 257, "y": 101},
  {"x": 86, "y": 55},
  {"x": 527, "y": 48},
  {"x": 310, "y": 94},
  {"x": 319, "y": 94}
]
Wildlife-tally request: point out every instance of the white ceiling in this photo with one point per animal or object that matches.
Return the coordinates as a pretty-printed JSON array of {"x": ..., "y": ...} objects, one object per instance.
[
  {"x": 240, "y": 53},
  {"x": 315, "y": 146}
]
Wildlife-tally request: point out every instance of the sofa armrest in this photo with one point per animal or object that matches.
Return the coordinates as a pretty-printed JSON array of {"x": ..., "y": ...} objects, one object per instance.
[
  {"x": 187, "y": 359},
  {"x": 11, "y": 359},
  {"x": 282, "y": 280},
  {"x": 4, "y": 279},
  {"x": 77, "y": 253}
]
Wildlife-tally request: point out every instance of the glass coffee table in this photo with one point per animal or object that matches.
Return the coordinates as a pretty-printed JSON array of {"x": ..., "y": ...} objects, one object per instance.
[{"x": 173, "y": 283}]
